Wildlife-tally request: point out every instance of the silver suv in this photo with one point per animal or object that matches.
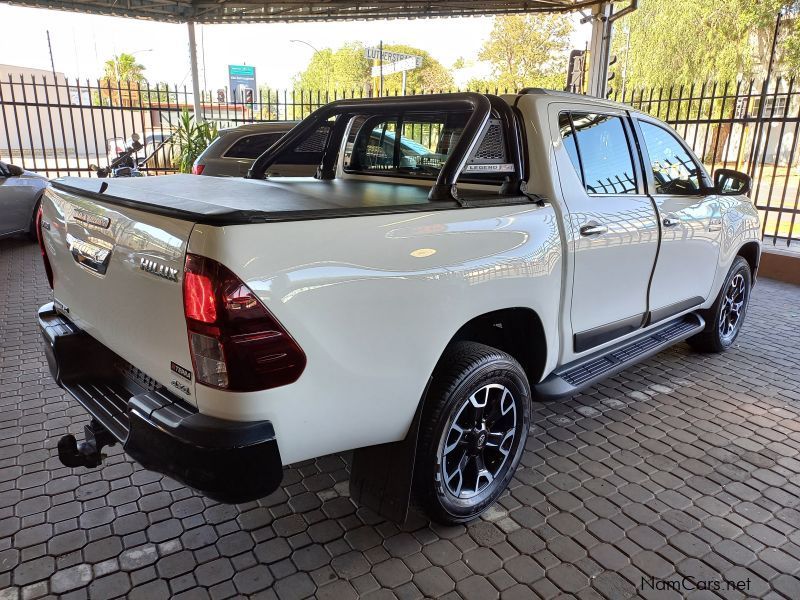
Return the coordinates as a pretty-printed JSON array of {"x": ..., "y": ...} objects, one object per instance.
[{"x": 232, "y": 153}]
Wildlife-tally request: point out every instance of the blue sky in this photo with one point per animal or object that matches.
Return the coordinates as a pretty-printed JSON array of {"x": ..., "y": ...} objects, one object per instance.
[{"x": 82, "y": 42}]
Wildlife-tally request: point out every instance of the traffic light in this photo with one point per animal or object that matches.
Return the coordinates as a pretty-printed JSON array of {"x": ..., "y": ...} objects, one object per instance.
[
  {"x": 575, "y": 71},
  {"x": 221, "y": 96},
  {"x": 248, "y": 95}
]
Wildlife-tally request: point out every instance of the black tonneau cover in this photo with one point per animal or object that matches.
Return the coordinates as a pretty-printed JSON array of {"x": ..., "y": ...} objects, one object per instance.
[{"x": 230, "y": 201}]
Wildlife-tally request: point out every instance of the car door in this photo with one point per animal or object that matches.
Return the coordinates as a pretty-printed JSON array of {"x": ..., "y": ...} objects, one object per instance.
[
  {"x": 612, "y": 227},
  {"x": 15, "y": 203},
  {"x": 690, "y": 221}
]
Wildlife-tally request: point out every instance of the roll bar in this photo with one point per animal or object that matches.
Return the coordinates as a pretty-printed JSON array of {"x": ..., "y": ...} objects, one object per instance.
[{"x": 445, "y": 187}]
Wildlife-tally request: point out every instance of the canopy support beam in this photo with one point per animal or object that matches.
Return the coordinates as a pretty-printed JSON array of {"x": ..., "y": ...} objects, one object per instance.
[
  {"x": 196, "y": 100},
  {"x": 602, "y": 18}
]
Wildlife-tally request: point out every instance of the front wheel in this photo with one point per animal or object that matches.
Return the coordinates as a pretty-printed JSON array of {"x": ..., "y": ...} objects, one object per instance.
[
  {"x": 725, "y": 317},
  {"x": 475, "y": 422}
]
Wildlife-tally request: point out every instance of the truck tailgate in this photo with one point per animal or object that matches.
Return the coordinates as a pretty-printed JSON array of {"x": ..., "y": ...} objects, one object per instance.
[{"x": 117, "y": 275}]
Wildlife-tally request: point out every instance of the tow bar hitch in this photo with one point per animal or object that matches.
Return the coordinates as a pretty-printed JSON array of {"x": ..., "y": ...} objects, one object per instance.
[{"x": 88, "y": 453}]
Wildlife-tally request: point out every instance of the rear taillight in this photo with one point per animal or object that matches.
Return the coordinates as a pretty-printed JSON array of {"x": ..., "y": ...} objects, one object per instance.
[
  {"x": 236, "y": 343},
  {"x": 198, "y": 169},
  {"x": 40, "y": 236}
]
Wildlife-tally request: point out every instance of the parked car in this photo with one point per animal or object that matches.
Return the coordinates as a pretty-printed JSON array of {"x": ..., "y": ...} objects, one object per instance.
[
  {"x": 20, "y": 193},
  {"x": 234, "y": 151},
  {"x": 400, "y": 304}
]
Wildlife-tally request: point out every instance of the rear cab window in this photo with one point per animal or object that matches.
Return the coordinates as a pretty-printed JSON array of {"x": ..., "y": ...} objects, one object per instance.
[{"x": 416, "y": 145}]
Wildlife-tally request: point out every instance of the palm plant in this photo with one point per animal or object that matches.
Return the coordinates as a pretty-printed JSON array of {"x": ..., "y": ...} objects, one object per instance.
[
  {"x": 122, "y": 77},
  {"x": 190, "y": 139}
]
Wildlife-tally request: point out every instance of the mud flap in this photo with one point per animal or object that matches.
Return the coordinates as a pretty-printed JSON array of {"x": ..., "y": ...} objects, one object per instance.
[{"x": 382, "y": 476}]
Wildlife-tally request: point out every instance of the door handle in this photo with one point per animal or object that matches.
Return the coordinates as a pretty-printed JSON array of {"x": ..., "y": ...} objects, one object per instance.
[
  {"x": 670, "y": 220},
  {"x": 593, "y": 229}
]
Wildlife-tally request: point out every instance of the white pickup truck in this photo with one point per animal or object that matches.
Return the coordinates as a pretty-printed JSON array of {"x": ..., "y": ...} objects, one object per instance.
[{"x": 455, "y": 258}]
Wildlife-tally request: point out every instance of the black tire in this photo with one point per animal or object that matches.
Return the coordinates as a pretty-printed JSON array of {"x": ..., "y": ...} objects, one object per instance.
[
  {"x": 723, "y": 323},
  {"x": 32, "y": 233},
  {"x": 468, "y": 374}
]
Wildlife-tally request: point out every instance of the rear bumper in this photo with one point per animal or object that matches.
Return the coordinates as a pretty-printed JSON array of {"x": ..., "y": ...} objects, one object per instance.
[{"x": 228, "y": 461}]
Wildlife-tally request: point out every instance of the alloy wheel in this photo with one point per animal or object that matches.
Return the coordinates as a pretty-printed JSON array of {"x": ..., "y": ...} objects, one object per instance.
[
  {"x": 476, "y": 446},
  {"x": 732, "y": 309}
]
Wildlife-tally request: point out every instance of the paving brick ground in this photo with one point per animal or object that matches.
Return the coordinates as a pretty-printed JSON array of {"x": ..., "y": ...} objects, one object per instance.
[{"x": 684, "y": 466}]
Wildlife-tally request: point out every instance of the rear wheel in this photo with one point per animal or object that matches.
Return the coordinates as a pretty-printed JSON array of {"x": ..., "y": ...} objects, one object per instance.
[
  {"x": 475, "y": 423},
  {"x": 725, "y": 317}
]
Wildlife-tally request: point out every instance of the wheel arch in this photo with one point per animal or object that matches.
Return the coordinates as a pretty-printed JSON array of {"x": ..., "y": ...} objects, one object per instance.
[
  {"x": 751, "y": 252},
  {"x": 517, "y": 331}
]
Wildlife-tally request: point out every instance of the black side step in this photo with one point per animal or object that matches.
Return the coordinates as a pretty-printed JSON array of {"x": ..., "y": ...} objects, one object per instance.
[{"x": 584, "y": 372}]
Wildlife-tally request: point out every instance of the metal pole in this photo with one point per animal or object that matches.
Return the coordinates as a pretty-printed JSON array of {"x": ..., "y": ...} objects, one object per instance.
[
  {"x": 381, "y": 68},
  {"x": 599, "y": 49},
  {"x": 198, "y": 114},
  {"x": 602, "y": 18},
  {"x": 404, "y": 82},
  {"x": 52, "y": 64}
]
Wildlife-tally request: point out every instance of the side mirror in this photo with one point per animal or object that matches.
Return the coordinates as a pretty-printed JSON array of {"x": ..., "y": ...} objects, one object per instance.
[
  {"x": 7, "y": 170},
  {"x": 728, "y": 182},
  {"x": 135, "y": 137}
]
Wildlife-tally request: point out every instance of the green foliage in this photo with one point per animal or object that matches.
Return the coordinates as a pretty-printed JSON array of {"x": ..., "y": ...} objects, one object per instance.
[
  {"x": 527, "y": 50},
  {"x": 431, "y": 76},
  {"x": 190, "y": 139},
  {"x": 123, "y": 67},
  {"x": 345, "y": 69},
  {"x": 681, "y": 42}
]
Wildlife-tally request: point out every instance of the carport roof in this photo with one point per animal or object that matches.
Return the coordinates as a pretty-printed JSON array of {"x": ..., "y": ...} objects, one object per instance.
[{"x": 254, "y": 11}]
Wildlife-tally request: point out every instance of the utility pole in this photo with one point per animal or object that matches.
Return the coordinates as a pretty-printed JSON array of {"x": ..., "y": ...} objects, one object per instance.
[
  {"x": 52, "y": 64},
  {"x": 380, "y": 62}
]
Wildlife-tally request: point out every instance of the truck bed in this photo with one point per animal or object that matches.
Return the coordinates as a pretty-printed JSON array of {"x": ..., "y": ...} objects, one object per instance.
[{"x": 229, "y": 201}]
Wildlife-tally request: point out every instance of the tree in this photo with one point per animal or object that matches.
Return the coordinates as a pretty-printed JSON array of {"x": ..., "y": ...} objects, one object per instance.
[
  {"x": 348, "y": 70},
  {"x": 430, "y": 76},
  {"x": 121, "y": 79},
  {"x": 527, "y": 50},
  {"x": 698, "y": 41},
  {"x": 345, "y": 69}
]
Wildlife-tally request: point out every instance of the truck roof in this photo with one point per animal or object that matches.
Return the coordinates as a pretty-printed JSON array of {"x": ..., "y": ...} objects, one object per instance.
[{"x": 547, "y": 94}]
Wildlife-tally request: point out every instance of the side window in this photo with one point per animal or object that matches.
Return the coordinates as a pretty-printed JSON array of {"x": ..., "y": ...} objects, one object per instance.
[
  {"x": 252, "y": 146},
  {"x": 674, "y": 170},
  {"x": 604, "y": 153}
]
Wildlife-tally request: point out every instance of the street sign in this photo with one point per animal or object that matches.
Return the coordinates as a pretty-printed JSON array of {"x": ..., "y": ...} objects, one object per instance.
[
  {"x": 395, "y": 67},
  {"x": 372, "y": 52},
  {"x": 241, "y": 78}
]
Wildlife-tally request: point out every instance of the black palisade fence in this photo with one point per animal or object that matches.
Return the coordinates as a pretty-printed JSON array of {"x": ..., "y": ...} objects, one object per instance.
[{"x": 62, "y": 127}]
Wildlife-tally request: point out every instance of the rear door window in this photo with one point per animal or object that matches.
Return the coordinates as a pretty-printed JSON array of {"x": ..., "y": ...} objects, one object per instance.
[{"x": 598, "y": 147}]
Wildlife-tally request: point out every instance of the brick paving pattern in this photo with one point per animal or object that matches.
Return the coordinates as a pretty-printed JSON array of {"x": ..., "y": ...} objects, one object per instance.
[{"x": 685, "y": 465}]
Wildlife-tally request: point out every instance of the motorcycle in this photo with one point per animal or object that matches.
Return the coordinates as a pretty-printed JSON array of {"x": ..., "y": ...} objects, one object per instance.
[{"x": 125, "y": 165}]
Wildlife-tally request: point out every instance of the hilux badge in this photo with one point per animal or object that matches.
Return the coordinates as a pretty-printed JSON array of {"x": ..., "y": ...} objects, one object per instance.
[{"x": 156, "y": 268}]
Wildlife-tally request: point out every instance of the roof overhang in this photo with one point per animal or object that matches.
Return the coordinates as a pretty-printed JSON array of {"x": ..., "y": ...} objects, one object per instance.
[{"x": 287, "y": 11}]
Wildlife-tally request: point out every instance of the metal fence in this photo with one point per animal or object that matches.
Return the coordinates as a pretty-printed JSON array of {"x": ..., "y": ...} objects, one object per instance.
[{"x": 62, "y": 127}]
